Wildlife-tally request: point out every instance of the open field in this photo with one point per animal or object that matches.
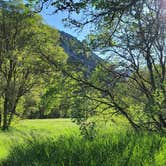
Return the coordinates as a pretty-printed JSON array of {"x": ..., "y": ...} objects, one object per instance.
[
  {"x": 27, "y": 129},
  {"x": 57, "y": 142}
]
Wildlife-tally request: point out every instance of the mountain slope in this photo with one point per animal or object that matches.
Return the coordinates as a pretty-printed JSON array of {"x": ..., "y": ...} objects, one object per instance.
[{"x": 79, "y": 54}]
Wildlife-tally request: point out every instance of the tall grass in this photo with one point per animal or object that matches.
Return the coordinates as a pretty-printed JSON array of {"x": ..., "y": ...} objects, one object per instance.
[
  {"x": 28, "y": 129},
  {"x": 123, "y": 148}
]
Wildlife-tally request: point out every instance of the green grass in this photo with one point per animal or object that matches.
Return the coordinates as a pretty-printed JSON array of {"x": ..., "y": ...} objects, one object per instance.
[
  {"x": 27, "y": 129},
  {"x": 58, "y": 143}
]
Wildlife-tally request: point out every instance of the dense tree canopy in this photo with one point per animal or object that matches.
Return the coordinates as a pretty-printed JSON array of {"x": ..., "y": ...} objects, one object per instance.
[{"x": 25, "y": 43}]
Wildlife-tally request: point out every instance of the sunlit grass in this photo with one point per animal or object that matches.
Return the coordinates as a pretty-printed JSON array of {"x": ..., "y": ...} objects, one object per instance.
[
  {"x": 58, "y": 142},
  {"x": 27, "y": 129}
]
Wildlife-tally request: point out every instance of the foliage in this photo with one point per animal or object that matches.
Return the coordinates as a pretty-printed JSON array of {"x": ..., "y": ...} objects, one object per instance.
[
  {"x": 25, "y": 43},
  {"x": 58, "y": 98},
  {"x": 132, "y": 34}
]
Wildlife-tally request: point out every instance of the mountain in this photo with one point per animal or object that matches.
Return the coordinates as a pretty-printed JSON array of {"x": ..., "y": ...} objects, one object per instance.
[{"x": 78, "y": 53}]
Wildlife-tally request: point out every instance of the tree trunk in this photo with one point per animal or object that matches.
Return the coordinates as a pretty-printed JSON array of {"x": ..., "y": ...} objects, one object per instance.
[
  {"x": 0, "y": 119},
  {"x": 10, "y": 118},
  {"x": 11, "y": 115},
  {"x": 162, "y": 121},
  {"x": 5, "y": 114},
  {"x": 41, "y": 113}
]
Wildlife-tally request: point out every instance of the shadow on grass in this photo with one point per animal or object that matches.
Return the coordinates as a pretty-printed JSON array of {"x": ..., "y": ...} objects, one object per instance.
[{"x": 123, "y": 149}]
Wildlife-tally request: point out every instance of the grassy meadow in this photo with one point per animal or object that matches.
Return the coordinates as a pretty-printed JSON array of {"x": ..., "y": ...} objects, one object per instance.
[
  {"x": 29, "y": 129},
  {"x": 58, "y": 143}
]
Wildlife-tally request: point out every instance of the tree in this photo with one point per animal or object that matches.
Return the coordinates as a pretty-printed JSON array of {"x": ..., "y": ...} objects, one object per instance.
[
  {"x": 24, "y": 41},
  {"x": 133, "y": 34}
]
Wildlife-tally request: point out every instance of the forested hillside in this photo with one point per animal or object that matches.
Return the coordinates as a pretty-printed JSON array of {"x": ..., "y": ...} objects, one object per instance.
[{"x": 79, "y": 54}]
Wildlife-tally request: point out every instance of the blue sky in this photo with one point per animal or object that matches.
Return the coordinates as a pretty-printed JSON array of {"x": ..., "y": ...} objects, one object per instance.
[{"x": 55, "y": 20}]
